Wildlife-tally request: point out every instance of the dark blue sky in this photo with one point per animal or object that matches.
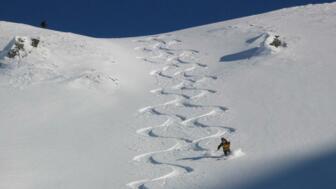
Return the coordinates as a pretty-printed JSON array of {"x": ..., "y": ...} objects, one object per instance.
[{"x": 121, "y": 18}]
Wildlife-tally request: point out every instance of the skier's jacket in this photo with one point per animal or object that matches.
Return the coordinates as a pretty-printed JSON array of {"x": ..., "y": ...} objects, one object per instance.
[{"x": 225, "y": 145}]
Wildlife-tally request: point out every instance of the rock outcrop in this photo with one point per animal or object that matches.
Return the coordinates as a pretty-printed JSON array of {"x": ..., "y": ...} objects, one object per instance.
[{"x": 18, "y": 48}]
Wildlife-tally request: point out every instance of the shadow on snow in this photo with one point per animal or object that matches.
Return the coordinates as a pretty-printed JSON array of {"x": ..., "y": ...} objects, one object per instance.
[
  {"x": 247, "y": 54},
  {"x": 312, "y": 173}
]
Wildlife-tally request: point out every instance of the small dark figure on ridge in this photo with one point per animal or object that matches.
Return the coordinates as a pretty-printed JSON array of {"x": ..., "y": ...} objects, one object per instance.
[
  {"x": 44, "y": 24},
  {"x": 226, "y": 146}
]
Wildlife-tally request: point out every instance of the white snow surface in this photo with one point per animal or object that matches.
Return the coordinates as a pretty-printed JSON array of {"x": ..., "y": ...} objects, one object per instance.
[{"x": 148, "y": 112}]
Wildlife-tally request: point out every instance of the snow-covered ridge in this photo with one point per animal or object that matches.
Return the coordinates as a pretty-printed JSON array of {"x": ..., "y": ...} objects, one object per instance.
[{"x": 148, "y": 112}]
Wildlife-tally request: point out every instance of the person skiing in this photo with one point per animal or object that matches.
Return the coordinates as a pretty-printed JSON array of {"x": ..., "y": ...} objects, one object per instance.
[{"x": 226, "y": 146}]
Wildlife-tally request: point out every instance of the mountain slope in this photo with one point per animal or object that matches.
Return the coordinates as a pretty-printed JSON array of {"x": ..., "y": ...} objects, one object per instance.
[{"x": 148, "y": 112}]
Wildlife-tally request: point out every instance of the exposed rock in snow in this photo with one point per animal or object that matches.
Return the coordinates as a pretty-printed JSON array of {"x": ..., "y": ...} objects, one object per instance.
[
  {"x": 261, "y": 45},
  {"x": 17, "y": 48},
  {"x": 276, "y": 42}
]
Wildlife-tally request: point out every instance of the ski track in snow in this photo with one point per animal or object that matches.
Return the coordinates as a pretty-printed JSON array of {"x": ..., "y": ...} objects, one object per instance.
[{"x": 183, "y": 62}]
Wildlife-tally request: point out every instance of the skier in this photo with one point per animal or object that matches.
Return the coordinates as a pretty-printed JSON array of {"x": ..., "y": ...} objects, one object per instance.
[{"x": 226, "y": 146}]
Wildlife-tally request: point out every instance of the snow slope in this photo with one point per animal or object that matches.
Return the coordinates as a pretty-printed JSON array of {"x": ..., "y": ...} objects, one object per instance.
[{"x": 148, "y": 112}]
